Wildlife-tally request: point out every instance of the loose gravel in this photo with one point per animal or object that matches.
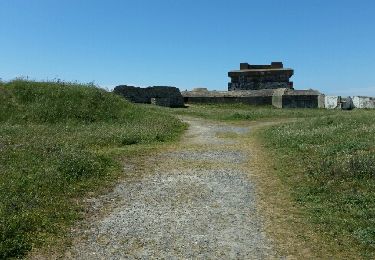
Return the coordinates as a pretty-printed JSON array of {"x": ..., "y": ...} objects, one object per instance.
[
  {"x": 220, "y": 155},
  {"x": 185, "y": 211}
]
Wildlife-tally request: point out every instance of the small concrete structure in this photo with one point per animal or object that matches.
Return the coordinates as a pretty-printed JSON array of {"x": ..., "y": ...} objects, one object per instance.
[
  {"x": 332, "y": 102},
  {"x": 288, "y": 98},
  {"x": 253, "y": 77},
  {"x": 158, "y": 95},
  {"x": 346, "y": 103},
  {"x": 251, "y": 84},
  {"x": 363, "y": 102}
]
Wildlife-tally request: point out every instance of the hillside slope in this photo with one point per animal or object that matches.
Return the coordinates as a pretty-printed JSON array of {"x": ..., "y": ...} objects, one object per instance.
[{"x": 57, "y": 141}]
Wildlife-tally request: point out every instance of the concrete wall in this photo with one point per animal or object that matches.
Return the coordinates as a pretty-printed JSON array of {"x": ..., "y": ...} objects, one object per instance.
[
  {"x": 286, "y": 98},
  {"x": 277, "y": 98},
  {"x": 300, "y": 101},
  {"x": 261, "y": 100},
  {"x": 277, "y": 101},
  {"x": 144, "y": 95},
  {"x": 280, "y": 98},
  {"x": 363, "y": 102},
  {"x": 331, "y": 102},
  {"x": 258, "y": 85},
  {"x": 321, "y": 102}
]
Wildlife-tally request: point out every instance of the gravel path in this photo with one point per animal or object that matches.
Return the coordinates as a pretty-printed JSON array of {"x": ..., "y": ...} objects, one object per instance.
[{"x": 197, "y": 203}]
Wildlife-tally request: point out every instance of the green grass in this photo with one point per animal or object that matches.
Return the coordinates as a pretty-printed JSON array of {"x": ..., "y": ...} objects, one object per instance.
[
  {"x": 238, "y": 112},
  {"x": 57, "y": 142},
  {"x": 60, "y": 140},
  {"x": 329, "y": 163},
  {"x": 327, "y": 158}
]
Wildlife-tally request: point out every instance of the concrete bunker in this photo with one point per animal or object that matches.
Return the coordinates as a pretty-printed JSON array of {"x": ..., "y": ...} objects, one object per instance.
[
  {"x": 259, "y": 85},
  {"x": 157, "y": 95},
  {"x": 254, "y": 77}
]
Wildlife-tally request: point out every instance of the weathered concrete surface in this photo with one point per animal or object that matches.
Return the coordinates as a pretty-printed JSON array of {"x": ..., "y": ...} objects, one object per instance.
[
  {"x": 254, "y": 77},
  {"x": 363, "y": 102},
  {"x": 197, "y": 202},
  {"x": 251, "y": 97},
  {"x": 162, "y": 94},
  {"x": 286, "y": 98},
  {"x": 331, "y": 102},
  {"x": 346, "y": 103},
  {"x": 280, "y": 98},
  {"x": 277, "y": 97}
]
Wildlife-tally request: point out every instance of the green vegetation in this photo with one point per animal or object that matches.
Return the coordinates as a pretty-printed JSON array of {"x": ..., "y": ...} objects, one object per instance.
[
  {"x": 61, "y": 140},
  {"x": 57, "y": 142},
  {"x": 327, "y": 158},
  {"x": 329, "y": 163},
  {"x": 237, "y": 112}
]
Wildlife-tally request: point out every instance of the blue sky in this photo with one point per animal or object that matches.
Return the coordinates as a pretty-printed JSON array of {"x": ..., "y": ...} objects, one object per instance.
[{"x": 189, "y": 43}]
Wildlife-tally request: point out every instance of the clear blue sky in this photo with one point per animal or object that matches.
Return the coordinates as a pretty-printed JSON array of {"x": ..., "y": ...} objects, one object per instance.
[{"x": 189, "y": 43}]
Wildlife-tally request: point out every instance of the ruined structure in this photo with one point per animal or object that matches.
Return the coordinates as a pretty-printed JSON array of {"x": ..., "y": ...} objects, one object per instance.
[
  {"x": 254, "y": 97},
  {"x": 280, "y": 98},
  {"x": 259, "y": 85},
  {"x": 254, "y": 77},
  {"x": 333, "y": 102},
  {"x": 363, "y": 102},
  {"x": 289, "y": 98},
  {"x": 253, "y": 85},
  {"x": 157, "y": 95}
]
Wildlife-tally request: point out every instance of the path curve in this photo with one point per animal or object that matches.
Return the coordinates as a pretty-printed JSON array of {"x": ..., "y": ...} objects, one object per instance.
[{"x": 197, "y": 202}]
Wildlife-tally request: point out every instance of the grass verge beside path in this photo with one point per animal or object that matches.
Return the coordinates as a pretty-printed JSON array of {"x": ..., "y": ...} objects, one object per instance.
[
  {"x": 59, "y": 141},
  {"x": 329, "y": 164}
]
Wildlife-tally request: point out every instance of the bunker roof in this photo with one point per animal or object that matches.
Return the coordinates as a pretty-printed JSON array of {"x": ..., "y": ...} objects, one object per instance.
[{"x": 275, "y": 67}]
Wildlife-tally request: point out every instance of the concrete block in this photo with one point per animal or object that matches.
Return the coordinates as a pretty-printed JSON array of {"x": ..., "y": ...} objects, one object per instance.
[
  {"x": 363, "y": 102},
  {"x": 331, "y": 102}
]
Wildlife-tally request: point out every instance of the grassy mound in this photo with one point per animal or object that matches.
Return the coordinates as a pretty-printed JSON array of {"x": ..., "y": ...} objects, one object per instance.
[
  {"x": 55, "y": 144},
  {"x": 45, "y": 102}
]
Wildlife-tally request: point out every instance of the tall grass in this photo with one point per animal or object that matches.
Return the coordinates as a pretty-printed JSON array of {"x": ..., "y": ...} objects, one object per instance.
[{"x": 55, "y": 144}]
